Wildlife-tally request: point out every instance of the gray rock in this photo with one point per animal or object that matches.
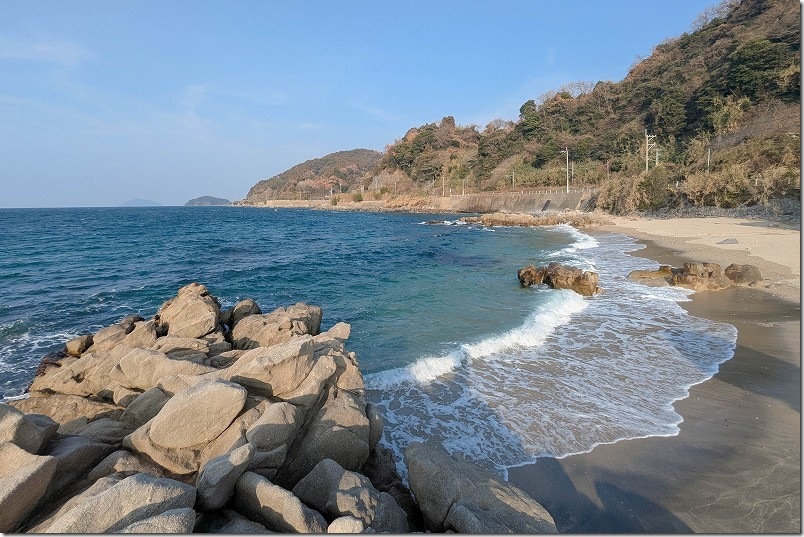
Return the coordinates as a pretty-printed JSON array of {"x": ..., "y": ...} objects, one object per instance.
[
  {"x": 728, "y": 241},
  {"x": 125, "y": 396},
  {"x": 276, "y": 327},
  {"x": 133, "y": 499},
  {"x": 336, "y": 492},
  {"x": 272, "y": 371},
  {"x": 274, "y": 507},
  {"x": 104, "y": 483},
  {"x": 24, "y": 478},
  {"x": 458, "y": 495},
  {"x": 338, "y": 431},
  {"x": 216, "y": 480},
  {"x": 235, "y": 435},
  {"x": 90, "y": 375},
  {"x": 143, "y": 368},
  {"x": 145, "y": 407},
  {"x": 108, "y": 338},
  {"x": 243, "y": 309},
  {"x": 278, "y": 425},
  {"x": 179, "y": 520},
  {"x": 192, "y": 313},
  {"x": 123, "y": 461},
  {"x": 308, "y": 393},
  {"x": 198, "y": 414},
  {"x": 76, "y": 456},
  {"x": 345, "y": 524},
  {"x": 376, "y": 424},
  {"x": 143, "y": 335},
  {"x": 78, "y": 345},
  {"x": 105, "y": 429},
  {"x": 28, "y": 431},
  {"x": 66, "y": 408}
]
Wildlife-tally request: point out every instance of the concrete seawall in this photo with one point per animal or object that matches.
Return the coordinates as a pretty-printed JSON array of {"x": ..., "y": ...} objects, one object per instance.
[{"x": 520, "y": 202}]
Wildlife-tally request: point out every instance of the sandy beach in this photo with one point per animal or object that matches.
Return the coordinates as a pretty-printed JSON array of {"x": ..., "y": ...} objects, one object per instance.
[{"x": 735, "y": 465}]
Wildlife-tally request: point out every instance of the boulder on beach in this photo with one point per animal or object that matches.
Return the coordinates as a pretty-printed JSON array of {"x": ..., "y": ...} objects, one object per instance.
[
  {"x": 457, "y": 495},
  {"x": 699, "y": 276},
  {"x": 279, "y": 326},
  {"x": 558, "y": 276}
]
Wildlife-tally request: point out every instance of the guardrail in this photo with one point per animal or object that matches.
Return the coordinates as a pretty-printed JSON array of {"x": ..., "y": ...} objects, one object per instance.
[{"x": 582, "y": 190}]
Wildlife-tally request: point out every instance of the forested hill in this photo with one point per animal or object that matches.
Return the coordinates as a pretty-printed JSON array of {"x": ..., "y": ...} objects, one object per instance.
[
  {"x": 317, "y": 177},
  {"x": 714, "y": 115}
]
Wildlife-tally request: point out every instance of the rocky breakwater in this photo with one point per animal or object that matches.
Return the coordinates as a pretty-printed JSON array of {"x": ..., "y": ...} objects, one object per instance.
[
  {"x": 699, "y": 276},
  {"x": 199, "y": 420},
  {"x": 558, "y": 276}
]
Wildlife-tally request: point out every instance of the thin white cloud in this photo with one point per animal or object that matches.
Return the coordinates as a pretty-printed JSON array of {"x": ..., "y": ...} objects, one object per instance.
[{"x": 64, "y": 53}]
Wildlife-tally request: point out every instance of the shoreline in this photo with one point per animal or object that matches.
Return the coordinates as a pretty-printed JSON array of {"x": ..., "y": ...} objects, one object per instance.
[{"x": 734, "y": 465}]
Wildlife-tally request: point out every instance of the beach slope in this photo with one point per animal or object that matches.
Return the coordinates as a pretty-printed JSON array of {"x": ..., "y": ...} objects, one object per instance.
[{"x": 735, "y": 465}]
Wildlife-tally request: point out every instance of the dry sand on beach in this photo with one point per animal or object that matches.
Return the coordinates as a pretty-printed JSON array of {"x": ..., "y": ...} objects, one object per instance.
[
  {"x": 735, "y": 465},
  {"x": 776, "y": 250}
]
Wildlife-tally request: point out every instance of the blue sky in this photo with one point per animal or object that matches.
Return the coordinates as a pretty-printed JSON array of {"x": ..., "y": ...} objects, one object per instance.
[{"x": 105, "y": 101}]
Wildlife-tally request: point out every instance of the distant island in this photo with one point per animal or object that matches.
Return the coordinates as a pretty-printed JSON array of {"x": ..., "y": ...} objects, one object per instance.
[
  {"x": 207, "y": 201},
  {"x": 139, "y": 202}
]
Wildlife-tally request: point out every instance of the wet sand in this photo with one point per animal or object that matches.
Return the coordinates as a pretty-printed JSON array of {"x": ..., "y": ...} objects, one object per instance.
[{"x": 735, "y": 465}]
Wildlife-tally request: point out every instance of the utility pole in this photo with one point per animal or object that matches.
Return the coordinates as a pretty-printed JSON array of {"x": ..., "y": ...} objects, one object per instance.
[
  {"x": 512, "y": 178},
  {"x": 708, "y": 156},
  {"x": 648, "y": 146},
  {"x": 566, "y": 152}
]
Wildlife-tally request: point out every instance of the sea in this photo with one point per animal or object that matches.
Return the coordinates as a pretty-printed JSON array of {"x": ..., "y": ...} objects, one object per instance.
[{"x": 452, "y": 348}]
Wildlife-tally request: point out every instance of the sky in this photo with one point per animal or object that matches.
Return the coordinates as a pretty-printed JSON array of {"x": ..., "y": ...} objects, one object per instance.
[{"x": 105, "y": 101}]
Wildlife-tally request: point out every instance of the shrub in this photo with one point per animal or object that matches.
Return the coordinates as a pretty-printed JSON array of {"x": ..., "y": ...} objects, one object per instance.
[
  {"x": 358, "y": 197},
  {"x": 333, "y": 200}
]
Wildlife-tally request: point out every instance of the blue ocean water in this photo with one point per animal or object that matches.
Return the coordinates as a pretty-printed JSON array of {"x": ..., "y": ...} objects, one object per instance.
[{"x": 451, "y": 346}]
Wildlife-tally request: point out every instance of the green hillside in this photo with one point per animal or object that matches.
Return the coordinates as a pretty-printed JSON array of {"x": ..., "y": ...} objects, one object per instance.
[
  {"x": 712, "y": 117},
  {"x": 721, "y": 105}
]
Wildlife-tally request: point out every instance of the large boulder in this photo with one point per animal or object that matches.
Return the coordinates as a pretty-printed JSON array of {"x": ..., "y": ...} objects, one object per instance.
[
  {"x": 273, "y": 371},
  {"x": 336, "y": 492},
  {"x": 743, "y": 274},
  {"x": 216, "y": 480},
  {"x": 24, "y": 478},
  {"x": 275, "y": 507},
  {"x": 192, "y": 313},
  {"x": 457, "y": 495},
  {"x": 89, "y": 375},
  {"x": 338, "y": 431},
  {"x": 75, "y": 457},
  {"x": 242, "y": 309},
  {"x": 187, "y": 423},
  {"x": 133, "y": 499},
  {"x": 558, "y": 276},
  {"x": 276, "y": 327},
  {"x": 143, "y": 368},
  {"x": 123, "y": 461},
  {"x": 701, "y": 277},
  {"x": 28, "y": 431},
  {"x": 64, "y": 408},
  {"x": 78, "y": 345},
  {"x": 143, "y": 335},
  {"x": 180, "y": 520}
]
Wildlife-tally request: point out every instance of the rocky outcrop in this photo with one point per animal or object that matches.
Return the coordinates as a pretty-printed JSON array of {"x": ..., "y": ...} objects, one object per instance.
[
  {"x": 456, "y": 495},
  {"x": 164, "y": 425},
  {"x": 558, "y": 276},
  {"x": 699, "y": 276}
]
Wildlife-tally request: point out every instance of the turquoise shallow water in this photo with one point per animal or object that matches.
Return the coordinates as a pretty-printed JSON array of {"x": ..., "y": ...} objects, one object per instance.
[{"x": 451, "y": 346}]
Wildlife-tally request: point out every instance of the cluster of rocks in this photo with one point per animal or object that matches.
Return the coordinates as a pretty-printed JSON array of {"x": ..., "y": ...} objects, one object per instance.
[
  {"x": 558, "y": 276},
  {"x": 199, "y": 420},
  {"x": 699, "y": 276}
]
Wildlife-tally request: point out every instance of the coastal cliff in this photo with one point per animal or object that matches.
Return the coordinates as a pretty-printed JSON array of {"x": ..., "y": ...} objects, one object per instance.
[{"x": 226, "y": 421}]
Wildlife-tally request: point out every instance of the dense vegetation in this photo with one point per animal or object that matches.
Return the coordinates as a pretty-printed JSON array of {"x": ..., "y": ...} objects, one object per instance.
[
  {"x": 721, "y": 105},
  {"x": 318, "y": 177}
]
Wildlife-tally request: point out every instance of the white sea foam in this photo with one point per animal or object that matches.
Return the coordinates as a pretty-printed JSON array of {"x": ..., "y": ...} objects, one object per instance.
[{"x": 577, "y": 373}]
